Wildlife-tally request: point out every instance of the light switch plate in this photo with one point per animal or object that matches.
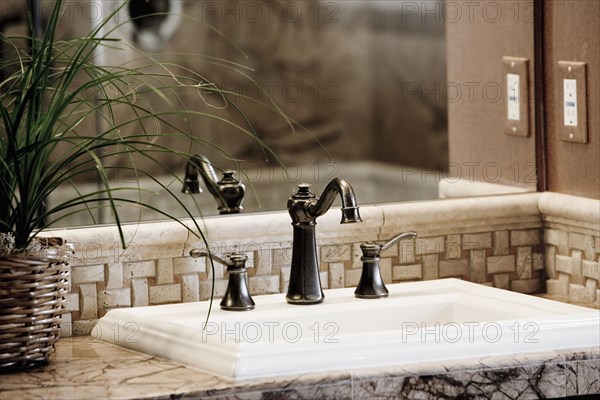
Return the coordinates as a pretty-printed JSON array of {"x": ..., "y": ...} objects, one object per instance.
[
  {"x": 572, "y": 101},
  {"x": 516, "y": 99}
]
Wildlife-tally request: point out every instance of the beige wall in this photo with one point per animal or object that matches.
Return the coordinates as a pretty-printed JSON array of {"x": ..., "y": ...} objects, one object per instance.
[
  {"x": 477, "y": 41},
  {"x": 572, "y": 33}
]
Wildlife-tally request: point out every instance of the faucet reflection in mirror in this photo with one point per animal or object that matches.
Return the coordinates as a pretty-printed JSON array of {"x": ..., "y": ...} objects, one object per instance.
[
  {"x": 228, "y": 192},
  {"x": 304, "y": 208}
]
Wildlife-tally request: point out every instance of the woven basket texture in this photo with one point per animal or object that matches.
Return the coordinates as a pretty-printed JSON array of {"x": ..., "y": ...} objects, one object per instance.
[{"x": 32, "y": 298}]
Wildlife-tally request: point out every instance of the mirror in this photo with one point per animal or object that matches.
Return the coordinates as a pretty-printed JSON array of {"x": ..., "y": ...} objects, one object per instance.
[{"x": 366, "y": 81}]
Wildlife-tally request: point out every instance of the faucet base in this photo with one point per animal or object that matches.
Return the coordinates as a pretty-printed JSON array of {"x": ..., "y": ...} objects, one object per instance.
[
  {"x": 305, "y": 300},
  {"x": 305, "y": 283}
]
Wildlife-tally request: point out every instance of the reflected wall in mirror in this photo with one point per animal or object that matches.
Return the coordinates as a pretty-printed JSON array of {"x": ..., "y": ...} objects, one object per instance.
[{"x": 366, "y": 81}]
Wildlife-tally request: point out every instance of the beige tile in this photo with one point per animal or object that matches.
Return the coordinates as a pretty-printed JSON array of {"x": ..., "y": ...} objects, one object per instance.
[
  {"x": 139, "y": 292},
  {"x": 282, "y": 257},
  {"x": 500, "y": 264},
  {"x": 139, "y": 269},
  {"x": 453, "y": 247},
  {"x": 430, "y": 267},
  {"x": 334, "y": 252},
  {"x": 477, "y": 270},
  {"x": 407, "y": 272},
  {"x": 264, "y": 284},
  {"x": 162, "y": 294},
  {"x": 114, "y": 275},
  {"x": 529, "y": 286},
  {"x": 430, "y": 245},
  {"x": 501, "y": 246},
  {"x": 557, "y": 238},
  {"x": 592, "y": 284},
  {"x": 581, "y": 294},
  {"x": 584, "y": 243},
  {"x": 219, "y": 290},
  {"x": 454, "y": 268},
  {"x": 72, "y": 302},
  {"x": 88, "y": 301},
  {"x": 87, "y": 274},
  {"x": 219, "y": 269},
  {"x": 552, "y": 236},
  {"x": 385, "y": 266},
  {"x": 352, "y": 276},
  {"x": 336, "y": 275},
  {"x": 263, "y": 261},
  {"x": 577, "y": 267},
  {"x": 477, "y": 241},
  {"x": 557, "y": 287},
  {"x": 528, "y": 237},
  {"x": 563, "y": 264},
  {"x": 189, "y": 265},
  {"x": 392, "y": 251},
  {"x": 502, "y": 281},
  {"x": 524, "y": 262},
  {"x": 564, "y": 277},
  {"x": 284, "y": 273},
  {"x": 164, "y": 271},
  {"x": 406, "y": 251},
  {"x": 590, "y": 270},
  {"x": 111, "y": 298},
  {"x": 250, "y": 263},
  {"x": 356, "y": 255},
  {"x": 153, "y": 252},
  {"x": 323, "y": 276},
  {"x": 66, "y": 325},
  {"x": 190, "y": 288},
  {"x": 550, "y": 260},
  {"x": 537, "y": 261}
]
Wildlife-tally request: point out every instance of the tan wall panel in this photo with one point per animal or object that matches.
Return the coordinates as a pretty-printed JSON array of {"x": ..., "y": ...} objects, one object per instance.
[
  {"x": 477, "y": 41},
  {"x": 572, "y": 33}
]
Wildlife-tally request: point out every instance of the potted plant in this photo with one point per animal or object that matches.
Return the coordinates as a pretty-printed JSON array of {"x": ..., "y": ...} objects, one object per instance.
[{"x": 41, "y": 151}]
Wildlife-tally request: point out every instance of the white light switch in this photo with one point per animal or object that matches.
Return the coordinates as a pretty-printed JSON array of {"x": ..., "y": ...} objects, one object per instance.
[
  {"x": 573, "y": 95},
  {"x": 517, "y": 91},
  {"x": 513, "y": 97},
  {"x": 570, "y": 101}
]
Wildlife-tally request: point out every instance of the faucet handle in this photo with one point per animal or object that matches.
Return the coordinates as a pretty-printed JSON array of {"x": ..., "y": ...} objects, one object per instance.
[
  {"x": 236, "y": 297},
  {"x": 373, "y": 249},
  {"x": 370, "y": 285},
  {"x": 396, "y": 238},
  {"x": 230, "y": 260},
  {"x": 197, "y": 253}
]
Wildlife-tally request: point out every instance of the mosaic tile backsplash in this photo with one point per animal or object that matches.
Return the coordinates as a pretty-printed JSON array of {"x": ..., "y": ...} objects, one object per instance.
[
  {"x": 572, "y": 265},
  {"x": 497, "y": 241}
]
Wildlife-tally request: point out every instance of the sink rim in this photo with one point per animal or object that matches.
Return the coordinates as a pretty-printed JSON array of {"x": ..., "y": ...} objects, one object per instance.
[{"x": 243, "y": 360}]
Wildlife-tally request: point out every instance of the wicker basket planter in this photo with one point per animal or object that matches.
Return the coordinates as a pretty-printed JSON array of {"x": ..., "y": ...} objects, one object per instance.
[{"x": 32, "y": 297}]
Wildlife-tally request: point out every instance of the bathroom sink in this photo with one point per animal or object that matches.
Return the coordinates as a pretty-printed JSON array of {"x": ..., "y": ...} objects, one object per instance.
[{"x": 419, "y": 321}]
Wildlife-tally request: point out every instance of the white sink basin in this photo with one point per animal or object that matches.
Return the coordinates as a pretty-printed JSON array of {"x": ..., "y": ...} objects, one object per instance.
[{"x": 420, "y": 321}]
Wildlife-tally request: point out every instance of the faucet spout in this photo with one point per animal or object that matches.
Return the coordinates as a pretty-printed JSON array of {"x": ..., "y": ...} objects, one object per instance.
[
  {"x": 227, "y": 192},
  {"x": 337, "y": 186},
  {"x": 199, "y": 163},
  {"x": 304, "y": 208}
]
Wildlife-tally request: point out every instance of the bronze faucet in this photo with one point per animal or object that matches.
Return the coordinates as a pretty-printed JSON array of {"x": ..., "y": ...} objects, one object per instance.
[
  {"x": 228, "y": 192},
  {"x": 237, "y": 297},
  {"x": 304, "y": 208},
  {"x": 371, "y": 285}
]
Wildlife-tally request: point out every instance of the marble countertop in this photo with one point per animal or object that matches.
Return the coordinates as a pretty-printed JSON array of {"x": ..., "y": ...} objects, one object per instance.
[{"x": 84, "y": 368}]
